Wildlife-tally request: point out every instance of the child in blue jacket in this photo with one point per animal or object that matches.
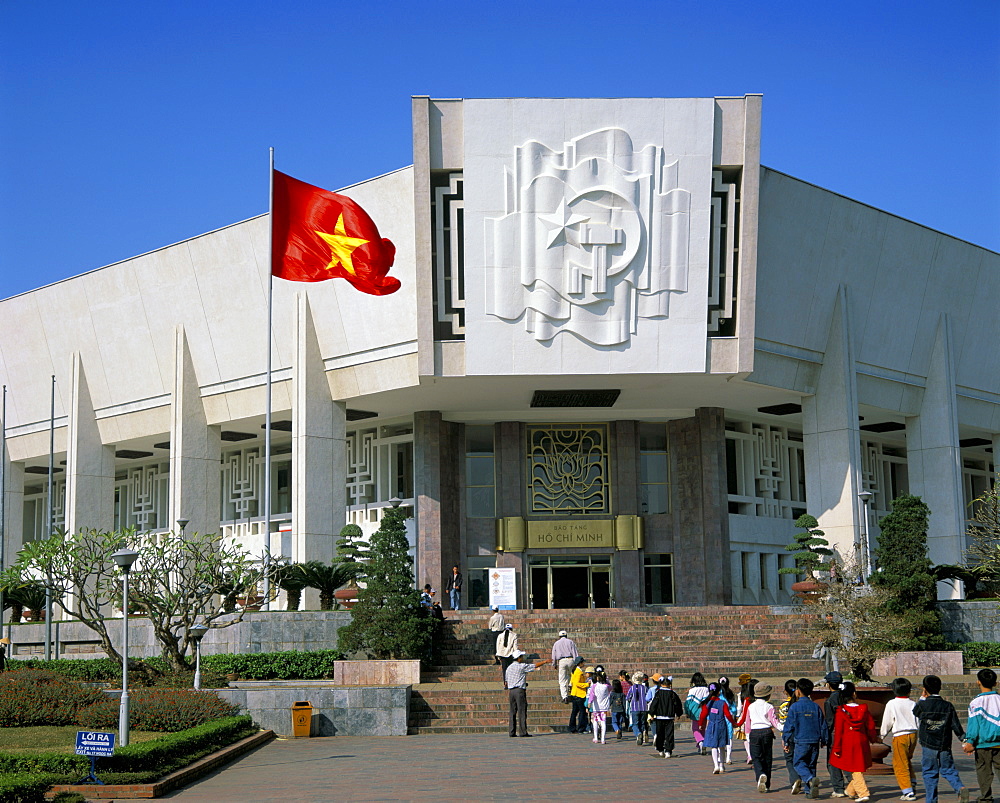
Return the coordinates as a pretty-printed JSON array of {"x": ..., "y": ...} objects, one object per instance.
[{"x": 805, "y": 728}]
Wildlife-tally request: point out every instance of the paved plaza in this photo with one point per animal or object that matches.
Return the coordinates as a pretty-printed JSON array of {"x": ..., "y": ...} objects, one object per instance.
[{"x": 496, "y": 767}]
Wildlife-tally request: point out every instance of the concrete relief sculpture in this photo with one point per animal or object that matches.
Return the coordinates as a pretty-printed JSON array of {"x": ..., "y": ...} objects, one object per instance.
[{"x": 594, "y": 237}]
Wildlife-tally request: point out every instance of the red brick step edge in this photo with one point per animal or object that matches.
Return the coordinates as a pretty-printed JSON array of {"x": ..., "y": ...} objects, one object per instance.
[{"x": 167, "y": 783}]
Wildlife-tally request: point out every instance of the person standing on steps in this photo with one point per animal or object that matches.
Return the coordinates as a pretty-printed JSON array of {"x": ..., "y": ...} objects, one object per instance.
[
  {"x": 506, "y": 647},
  {"x": 517, "y": 685},
  {"x": 454, "y": 588},
  {"x": 497, "y": 623},
  {"x": 579, "y": 683},
  {"x": 563, "y": 655}
]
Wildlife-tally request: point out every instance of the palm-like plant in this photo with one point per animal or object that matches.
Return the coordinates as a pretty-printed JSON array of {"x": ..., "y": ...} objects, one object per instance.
[
  {"x": 327, "y": 578},
  {"x": 290, "y": 578}
]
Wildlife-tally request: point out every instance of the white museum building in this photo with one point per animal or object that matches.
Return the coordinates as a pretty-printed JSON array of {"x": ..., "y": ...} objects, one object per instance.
[{"x": 624, "y": 358}]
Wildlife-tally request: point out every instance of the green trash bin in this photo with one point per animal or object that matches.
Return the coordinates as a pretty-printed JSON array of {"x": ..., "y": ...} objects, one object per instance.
[{"x": 302, "y": 712}]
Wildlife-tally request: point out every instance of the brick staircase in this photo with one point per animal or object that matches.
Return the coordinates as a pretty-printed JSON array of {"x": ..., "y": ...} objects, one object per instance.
[{"x": 463, "y": 693}]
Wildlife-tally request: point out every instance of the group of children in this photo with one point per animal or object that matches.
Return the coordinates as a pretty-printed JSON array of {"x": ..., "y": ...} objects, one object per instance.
[{"x": 843, "y": 725}]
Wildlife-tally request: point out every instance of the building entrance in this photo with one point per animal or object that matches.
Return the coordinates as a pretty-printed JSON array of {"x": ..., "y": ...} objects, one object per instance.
[{"x": 572, "y": 581}]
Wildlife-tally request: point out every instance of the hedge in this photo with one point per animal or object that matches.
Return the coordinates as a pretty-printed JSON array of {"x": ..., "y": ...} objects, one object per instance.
[
  {"x": 981, "y": 653},
  {"x": 290, "y": 665},
  {"x": 136, "y": 763},
  {"x": 27, "y": 787}
]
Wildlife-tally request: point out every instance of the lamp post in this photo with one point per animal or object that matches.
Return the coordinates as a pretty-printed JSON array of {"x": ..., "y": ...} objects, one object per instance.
[
  {"x": 182, "y": 523},
  {"x": 198, "y": 633},
  {"x": 124, "y": 558},
  {"x": 866, "y": 557}
]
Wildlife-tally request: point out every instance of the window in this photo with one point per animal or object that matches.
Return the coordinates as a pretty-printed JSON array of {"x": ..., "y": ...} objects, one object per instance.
[
  {"x": 568, "y": 469},
  {"x": 654, "y": 471},
  {"x": 765, "y": 582},
  {"x": 745, "y": 568},
  {"x": 658, "y": 573},
  {"x": 480, "y": 481}
]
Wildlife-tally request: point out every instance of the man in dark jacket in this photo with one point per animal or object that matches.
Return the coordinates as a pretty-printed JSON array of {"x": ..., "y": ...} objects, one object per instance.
[
  {"x": 936, "y": 721},
  {"x": 454, "y": 588},
  {"x": 833, "y": 681}
]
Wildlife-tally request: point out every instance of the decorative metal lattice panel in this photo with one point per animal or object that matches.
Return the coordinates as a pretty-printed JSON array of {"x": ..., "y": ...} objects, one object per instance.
[
  {"x": 447, "y": 211},
  {"x": 724, "y": 254},
  {"x": 242, "y": 483},
  {"x": 766, "y": 470},
  {"x": 568, "y": 468},
  {"x": 143, "y": 497}
]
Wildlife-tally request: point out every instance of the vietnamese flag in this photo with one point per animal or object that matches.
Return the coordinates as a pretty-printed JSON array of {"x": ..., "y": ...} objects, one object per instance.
[{"x": 318, "y": 235}]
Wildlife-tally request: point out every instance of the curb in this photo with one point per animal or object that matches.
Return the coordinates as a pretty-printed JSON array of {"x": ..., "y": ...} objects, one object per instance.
[{"x": 167, "y": 783}]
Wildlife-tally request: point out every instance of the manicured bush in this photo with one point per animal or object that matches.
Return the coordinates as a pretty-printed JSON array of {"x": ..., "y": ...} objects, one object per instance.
[
  {"x": 26, "y": 787},
  {"x": 38, "y": 697},
  {"x": 137, "y": 763},
  {"x": 169, "y": 710},
  {"x": 980, "y": 653},
  {"x": 290, "y": 665}
]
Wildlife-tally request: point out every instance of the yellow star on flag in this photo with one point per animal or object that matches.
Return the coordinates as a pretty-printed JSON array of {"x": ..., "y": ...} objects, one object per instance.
[{"x": 341, "y": 246}]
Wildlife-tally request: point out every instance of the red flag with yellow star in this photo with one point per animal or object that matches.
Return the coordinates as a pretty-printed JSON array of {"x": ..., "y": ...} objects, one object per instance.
[{"x": 318, "y": 235}]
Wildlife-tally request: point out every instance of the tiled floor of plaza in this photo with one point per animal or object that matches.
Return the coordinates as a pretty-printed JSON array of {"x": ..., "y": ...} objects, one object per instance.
[{"x": 496, "y": 767}]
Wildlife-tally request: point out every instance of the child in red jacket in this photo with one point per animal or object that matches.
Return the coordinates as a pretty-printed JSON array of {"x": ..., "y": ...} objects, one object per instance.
[{"x": 854, "y": 732}]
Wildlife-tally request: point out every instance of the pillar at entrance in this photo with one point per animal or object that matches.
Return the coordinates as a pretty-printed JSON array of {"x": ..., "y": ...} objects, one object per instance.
[
  {"x": 832, "y": 440},
  {"x": 195, "y": 449},
  {"x": 701, "y": 540},
  {"x": 437, "y": 454},
  {"x": 90, "y": 465},
  {"x": 319, "y": 449},
  {"x": 934, "y": 460}
]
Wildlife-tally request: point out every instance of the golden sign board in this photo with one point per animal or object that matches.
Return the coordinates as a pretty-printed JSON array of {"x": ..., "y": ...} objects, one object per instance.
[{"x": 571, "y": 534}]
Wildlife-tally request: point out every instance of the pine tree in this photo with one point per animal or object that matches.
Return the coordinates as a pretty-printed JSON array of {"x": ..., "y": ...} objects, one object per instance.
[
  {"x": 809, "y": 546},
  {"x": 388, "y": 620},
  {"x": 901, "y": 558}
]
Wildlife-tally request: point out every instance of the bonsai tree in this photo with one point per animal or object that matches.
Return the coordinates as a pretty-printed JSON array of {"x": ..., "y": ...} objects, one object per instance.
[
  {"x": 903, "y": 566},
  {"x": 326, "y": 578},
  {"x": 350, "y": 546},
  {"x": 388, "y": 621},
  {"x": 290, "y": 578},
  {"x": 810, "y": 548},
  {"x": 852, "y": 620}
]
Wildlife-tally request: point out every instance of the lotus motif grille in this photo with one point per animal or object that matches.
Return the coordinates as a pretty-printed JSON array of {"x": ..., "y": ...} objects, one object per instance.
[{"x": 568, "y": 468}]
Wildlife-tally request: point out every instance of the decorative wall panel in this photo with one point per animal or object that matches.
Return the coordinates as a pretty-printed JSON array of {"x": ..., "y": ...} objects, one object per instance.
[{"x": 568, "y": 468}]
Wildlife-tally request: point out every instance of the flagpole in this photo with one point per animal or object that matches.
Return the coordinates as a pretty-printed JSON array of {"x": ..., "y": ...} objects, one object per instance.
[
  {"x": 48, "y": 534},
  {"x": 267, "y": 389}
]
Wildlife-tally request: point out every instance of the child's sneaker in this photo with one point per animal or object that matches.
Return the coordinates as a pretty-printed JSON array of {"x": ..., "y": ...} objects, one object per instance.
[
  {"x": 963, "y": 794},
  {"x": 908, "y": 796},
  {"x": 797, "y": 786},
  {"x": 666, "y": 754},
  {"x": 814, "y": 789},
  {"x": 762, "y": 784}
]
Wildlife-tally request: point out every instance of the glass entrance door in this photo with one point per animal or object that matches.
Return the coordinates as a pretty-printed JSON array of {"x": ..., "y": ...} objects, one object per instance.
[{"x": 571, "y": 582}]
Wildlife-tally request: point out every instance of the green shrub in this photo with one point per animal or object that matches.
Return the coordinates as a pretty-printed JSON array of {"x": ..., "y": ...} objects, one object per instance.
[
  {"x": 69, "y": 797},
  {"x": 290, "y": 665},
  {"x": 39, "y": 697},
  {"x": 980, "y": 653},
  {"x": 169, "y": 710},
  {"x": 136, "y": 763},
  {"x": 26, "y": 787}
]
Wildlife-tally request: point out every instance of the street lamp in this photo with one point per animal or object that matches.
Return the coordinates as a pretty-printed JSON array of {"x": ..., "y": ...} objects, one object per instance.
[
  {"x": 865, "y": 497},
  {"x": 124, "y": 558},
  {"x": 198, "y": 633},
  {"x": 182, "y": 523}
]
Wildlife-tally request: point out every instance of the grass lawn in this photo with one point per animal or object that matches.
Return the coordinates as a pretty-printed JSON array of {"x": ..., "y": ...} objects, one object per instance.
[{"x": 54, "y": 739}]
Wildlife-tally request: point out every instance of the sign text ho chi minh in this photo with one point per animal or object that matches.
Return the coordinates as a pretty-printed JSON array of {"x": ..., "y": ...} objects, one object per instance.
[{"x": 572, "y": 533}]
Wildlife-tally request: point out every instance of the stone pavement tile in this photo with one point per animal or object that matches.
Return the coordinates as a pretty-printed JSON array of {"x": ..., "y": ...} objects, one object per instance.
[{"x": 496, "y": 767}]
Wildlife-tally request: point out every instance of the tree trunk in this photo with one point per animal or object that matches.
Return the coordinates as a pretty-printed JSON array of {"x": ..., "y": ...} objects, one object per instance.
[
  {"x": 326, "y": 600},
  {"x": 294, "y": 599}
]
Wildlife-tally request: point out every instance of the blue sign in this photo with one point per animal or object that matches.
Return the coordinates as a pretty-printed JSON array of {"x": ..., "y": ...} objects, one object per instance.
[{"x": 95, "y": 744}]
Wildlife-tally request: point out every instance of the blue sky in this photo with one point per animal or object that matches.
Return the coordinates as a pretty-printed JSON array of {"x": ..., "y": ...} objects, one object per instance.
[{"x": 128, "y": 126}]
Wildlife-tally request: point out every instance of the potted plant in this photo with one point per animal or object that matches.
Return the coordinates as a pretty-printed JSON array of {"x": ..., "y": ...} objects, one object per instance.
[
  {"x": 350, "y": 550},
  {"x": 810, "y": 548}
]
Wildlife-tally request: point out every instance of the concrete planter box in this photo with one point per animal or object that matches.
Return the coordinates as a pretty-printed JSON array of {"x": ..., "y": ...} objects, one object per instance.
[{"x": 914, "y": 665}]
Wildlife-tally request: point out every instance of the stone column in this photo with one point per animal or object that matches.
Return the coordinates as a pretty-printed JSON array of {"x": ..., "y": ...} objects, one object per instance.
[
  {"x": 436, "y": 457},
  {"x": 701, "y": 512},
  {"x": 90, "y": 465},
  {"x": 195, "y": 449},
  {"x": 832, "y": 440},
  {"x": 934, "y": 460},
  {"x": 510, "y": 489},
  {"x": 625, "y": 496},
  {"x": 319, "y": 448}
]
